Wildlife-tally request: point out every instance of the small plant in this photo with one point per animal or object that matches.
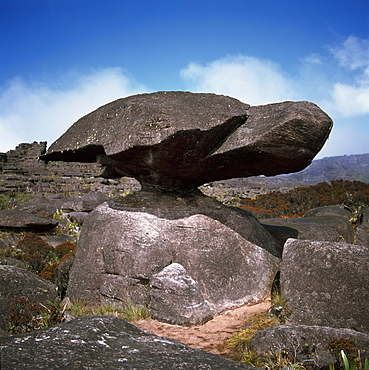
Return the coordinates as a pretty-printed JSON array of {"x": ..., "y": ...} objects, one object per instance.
[
  {"x": 239, "y": 343},
  {"x": 134, "y": 313},
  {"x": 280, "y": 360},
  {"x": 337, "y": 345},
  {"x": 347, "y": 356},
  {"x": 26, "y": 316},
  {"x": 77, "y": 307},
  {"x": 279, "y": 308}
]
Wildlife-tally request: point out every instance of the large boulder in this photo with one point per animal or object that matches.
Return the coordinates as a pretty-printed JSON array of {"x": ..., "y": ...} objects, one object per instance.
[
  {"x": 181, "y": 140},
  {"x": 120, "y": 251},
  {"x": 19, "y": 283},
  {"x": 326, "y": 284},
  {"x": 22, "y": 220},
  {"x": 104, "y": 342},
  {"x": 308, "y": 345}
]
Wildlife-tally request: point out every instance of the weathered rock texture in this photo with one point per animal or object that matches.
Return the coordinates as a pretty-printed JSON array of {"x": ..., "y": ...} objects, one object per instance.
[
  {"x": 176, "y": 298},
  {"x": 104, "y": 342},
  {"x": 16, "y": 283},
  {"x": 308, "y": 345},
  {"x": 326, "y": 284},
  {"x": 120, "y": 251},
  {"x": 181, "y": 140}
]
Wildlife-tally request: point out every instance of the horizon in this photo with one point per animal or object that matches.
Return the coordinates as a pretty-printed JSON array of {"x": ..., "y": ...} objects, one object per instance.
[{"x": 63, "y": 59}]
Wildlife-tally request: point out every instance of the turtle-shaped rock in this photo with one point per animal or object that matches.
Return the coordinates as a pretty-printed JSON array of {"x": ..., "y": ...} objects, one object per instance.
[{"x": 181, "y": 140}]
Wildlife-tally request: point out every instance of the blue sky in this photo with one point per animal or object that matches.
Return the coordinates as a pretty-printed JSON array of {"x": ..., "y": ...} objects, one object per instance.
[{"x": 61, "y": 59}]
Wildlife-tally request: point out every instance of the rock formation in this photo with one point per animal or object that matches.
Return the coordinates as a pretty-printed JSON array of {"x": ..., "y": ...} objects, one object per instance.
[{"x": 173, "y": 142}]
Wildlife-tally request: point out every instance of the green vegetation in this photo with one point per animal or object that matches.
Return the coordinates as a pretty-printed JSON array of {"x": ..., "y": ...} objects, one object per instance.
[
  {"x": 25, "y": 316},
  {"x": 9, "y": 199},
  {"x": 128, "y": 311},
  {"x": 296, "y": 202}
]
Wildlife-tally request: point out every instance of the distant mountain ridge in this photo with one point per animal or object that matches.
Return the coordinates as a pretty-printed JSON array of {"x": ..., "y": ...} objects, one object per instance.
[{"x": 347, "y": 167}]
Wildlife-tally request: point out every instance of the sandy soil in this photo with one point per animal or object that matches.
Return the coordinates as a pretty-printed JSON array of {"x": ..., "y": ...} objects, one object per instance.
[{"x": 212, "y": 335}]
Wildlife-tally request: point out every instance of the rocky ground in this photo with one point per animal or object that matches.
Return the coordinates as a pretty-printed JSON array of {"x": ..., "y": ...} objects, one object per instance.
[{"x": 211, "y": 336}]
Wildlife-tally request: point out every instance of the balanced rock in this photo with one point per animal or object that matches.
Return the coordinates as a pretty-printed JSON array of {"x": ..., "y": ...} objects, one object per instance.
[{"x": 181, "y": 140}]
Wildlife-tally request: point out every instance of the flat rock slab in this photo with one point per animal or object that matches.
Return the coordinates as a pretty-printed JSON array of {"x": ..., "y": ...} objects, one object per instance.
[
  {"x": 16, "y": 219},
  {"x": 104, "y": 342},
  {"x": 181, "y": 140}
]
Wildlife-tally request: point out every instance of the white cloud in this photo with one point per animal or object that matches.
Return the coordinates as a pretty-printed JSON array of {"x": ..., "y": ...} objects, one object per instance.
[
  {"x": 350, "y": 97},
  {"x": 251, "y": 80},
  {"x": 313, "y": 59},
  {"x": 353, "y": 53},
  {"x": 40, "y": 112},
  {"x": 349, "y": 100}
]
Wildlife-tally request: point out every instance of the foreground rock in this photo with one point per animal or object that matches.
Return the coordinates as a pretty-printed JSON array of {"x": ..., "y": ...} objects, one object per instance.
[
  {"x": 17, "y": 283},
  {"x": 326, "y": 284},
  {"x": 308, "y": 345},
  {"x": 104, "y": 342},
  {"x": 181, "y": 140},
  {"x": 119, "y": 252}
]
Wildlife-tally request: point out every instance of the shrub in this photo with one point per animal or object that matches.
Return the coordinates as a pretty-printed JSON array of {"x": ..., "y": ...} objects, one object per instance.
[{"x": 26, "y": 316}]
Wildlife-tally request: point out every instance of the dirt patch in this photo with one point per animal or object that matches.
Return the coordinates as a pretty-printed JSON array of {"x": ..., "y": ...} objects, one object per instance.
[{"x": 212, "y": 335}]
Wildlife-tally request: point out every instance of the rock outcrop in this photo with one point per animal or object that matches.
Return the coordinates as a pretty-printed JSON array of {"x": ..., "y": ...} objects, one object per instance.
[
  {"x": 173, "y": 142},
  {"x": 22, "y": 170},
  {"x": 104, "y": 342}
]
